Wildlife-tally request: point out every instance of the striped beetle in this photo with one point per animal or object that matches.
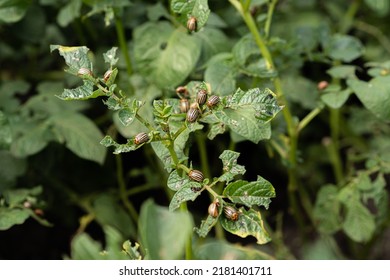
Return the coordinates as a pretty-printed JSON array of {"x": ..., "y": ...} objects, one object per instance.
[
  {"x": 196, "y": 175},
  {"x": 231, "y": 213},
  {"x": 212, "y": 101},
  {"x": 141, "y": 138},
  {"x": 192, "y": 115}
]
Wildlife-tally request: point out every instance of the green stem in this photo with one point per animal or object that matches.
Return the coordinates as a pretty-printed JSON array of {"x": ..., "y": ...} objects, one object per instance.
[
  {"x": 203, "y": 155},
  {"x": 292, "y": 128},
  {"x": 120, "y": 31},
  {"x": 349, "y": 16},
  {"x": 188, "y": 250},
  {"x": 271, "y": 8},
  {"x": 335, "y": 144},
  {"x": 145, "y": 122},
  {"x": 122, "y": 188},
  {"x": 308, "y": 118}
]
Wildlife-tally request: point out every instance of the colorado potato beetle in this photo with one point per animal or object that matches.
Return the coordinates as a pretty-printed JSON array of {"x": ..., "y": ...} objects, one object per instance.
[
  {"x": 107, "y": 75},
  {"x": 196, "y": 175},
  {"x": 212, "y": 101},
  {"x": 192, "y": 115},
  {"x": 201, "y": 97},
  {"x": 184, "y": 105},
  {"x": 213, "y": 209},
  {"x": 84, "y": 71},
  {"x": 141, "y": 138},
  {"x": 231, "y": 213},
  {"x": 191, "y": 24},
  {"x": 182, "y": 92}
]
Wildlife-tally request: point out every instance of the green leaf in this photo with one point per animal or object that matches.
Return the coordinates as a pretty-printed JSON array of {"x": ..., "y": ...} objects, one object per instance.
[
  {"x": 342, "y": 71},
  {"x": 248, "y": 113},
  {"x": 165, "y": 56},
  {"x": 375, "y": 95},
  {"x": 196, "y": 8},
  {"x": 69, "y": 12},
  {"x": 249, "y": 223},
  {"x": 75, "y": 57},
  {"x": 108, "y": 211},
  {"x": 189, "y": 191},
  {"x": 80, "y": 135},
  {"x": 11, "y": 169},
  {"x": 12, "y": 216},
  {"x": 9, "y": 102},
  {"x": 175, "y": 181},
  {"x": 247, "y": 56},
  {"x": 258, "y": 192},
  {"x": 230, "y": 166},
  {"x": 381, "y": 7},
  {"x": 163, "y": 233},
  {"x": 213, "y": 41},
  {"x": 243, "y": 122},
  {"x": 5, "y": 132},
  {"x": 223, "y": 250},
  {"x": 16, "y": 197},
  {"x": 107, "y": 141},
  {"x": 13, "y": 10},
  {"x": 83, "y": 247},
  {"x": 132, "y": 251},
  {"x": 82, "y": 92},
  {"x": 126, "y": 116},
  {"x": 335, "y": 99},
  {"x": 110, "y": 56},
  {"x": 206, "y": 226},
  {"x": 215, "y": 129},
  {"x": 345, "y": 48},
  {"x": 359, "y": 224},
  {"x": 221, "y": 74},
  {"x": 34, "y": 139},
  {"x": 327, "y": 210}
]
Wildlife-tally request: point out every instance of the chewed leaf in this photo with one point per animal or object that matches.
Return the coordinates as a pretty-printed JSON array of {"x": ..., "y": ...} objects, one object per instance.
[
  {"x": 249, "y": 223},
  {"x": 230, "y": 166},
  {"x": 82, "y": 92},
  {"x": 75, "y": 57},
  {"x": 107, "y": 141},
  {"x": 258, "y": 192},
  {"x": 189, "y": 191},
  {"x": 176, "y": 182},
  {"x": 186, "y": 9},
  {"x": 110, "y": 56},
  {"x": 206, "y": 226}
]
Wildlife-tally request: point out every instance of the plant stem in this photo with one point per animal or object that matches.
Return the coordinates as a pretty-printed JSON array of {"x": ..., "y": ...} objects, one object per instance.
[
  {"x": 271, "y": 8},
  {"x": 308, "y": 118},
  {"x": 188, "y": 252},
  {"x": 349, "y": 16},
  {"x": 203, "y": 154},
  {"x": 335, "y": 145},
  {"x": 122, "y": 188},
  {"x": 145, "y": 122},
  {"x": 292, "y": 128},
  {"x": 120, "y": 31}
]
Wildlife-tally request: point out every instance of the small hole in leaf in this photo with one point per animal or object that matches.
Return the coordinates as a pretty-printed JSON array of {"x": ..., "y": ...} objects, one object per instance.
[{"x": 163, "y": 46}]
